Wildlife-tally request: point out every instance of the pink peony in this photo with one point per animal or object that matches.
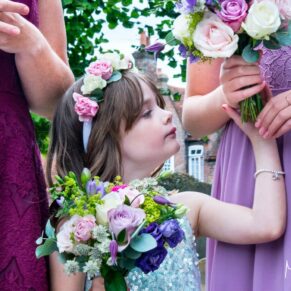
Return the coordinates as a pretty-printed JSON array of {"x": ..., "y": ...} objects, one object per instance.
[
  {"x": 101, "y": 68},
  {"x": 83, "y": 228},
  {"x": 233, "y": 12},
  {"x": 85, "y": 107},
  {"x": 125, "y": 218}
]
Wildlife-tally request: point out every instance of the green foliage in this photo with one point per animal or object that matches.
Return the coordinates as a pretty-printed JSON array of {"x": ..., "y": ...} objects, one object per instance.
[
  {"x": 183, "y": 182},
  {"x": 42, "y": 126}
]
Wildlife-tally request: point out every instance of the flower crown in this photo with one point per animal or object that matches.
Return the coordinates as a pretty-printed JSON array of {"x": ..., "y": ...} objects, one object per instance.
[{"x": 99, "y": 74}]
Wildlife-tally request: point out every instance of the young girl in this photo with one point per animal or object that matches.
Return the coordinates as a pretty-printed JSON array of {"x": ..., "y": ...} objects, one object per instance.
[{"x": 132, "y": 135}]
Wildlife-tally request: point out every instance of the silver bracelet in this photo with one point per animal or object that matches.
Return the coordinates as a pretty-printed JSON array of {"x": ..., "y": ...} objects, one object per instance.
[{"x": 275, "y": 173}]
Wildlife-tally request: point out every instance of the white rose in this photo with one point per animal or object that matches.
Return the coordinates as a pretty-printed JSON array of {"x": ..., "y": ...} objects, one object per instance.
[
  {"x": 114, "y": 58},
  {"x": 284, "y": 8},
  {"x": 262, "y": 20},
  {"x": 64, "y": 242},
  {"x": 91, "y": 83},
  {"x": 181, "y": 28},
  {"x": 214, "y": 38},
  {"x": 111, "y": 200}
]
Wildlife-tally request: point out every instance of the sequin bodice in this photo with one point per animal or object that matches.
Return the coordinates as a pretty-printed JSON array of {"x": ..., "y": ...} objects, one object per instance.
[{"x": 178, "y": 272}]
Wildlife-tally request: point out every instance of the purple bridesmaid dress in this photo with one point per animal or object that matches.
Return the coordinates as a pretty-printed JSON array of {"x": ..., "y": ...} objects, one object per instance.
[
  {"x": 262, "y": 267},
  {"x": 23, "y": 198}
]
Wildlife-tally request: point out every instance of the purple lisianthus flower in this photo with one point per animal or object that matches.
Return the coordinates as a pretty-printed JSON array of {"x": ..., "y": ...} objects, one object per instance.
[
  {"x": 233, "y": 12},
  {"x": 172, "y": 232},
  {"x": 113, "y": 248},
  {"x": 186, "y": 6},
  {"x": 92, "y": 188},
  {"x": 162, "y": 200},
  {"x": 151, "y": 260},
  {"x": 184, "y": 53},
  {"x": 154, "y": 230},
  {"x": 155, "y": 48}
]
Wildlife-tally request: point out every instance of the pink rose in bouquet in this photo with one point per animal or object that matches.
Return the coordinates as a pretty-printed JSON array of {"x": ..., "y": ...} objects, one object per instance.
[
  {"x": 83, "y": 228},
  {"x": 233, "y": 13}
]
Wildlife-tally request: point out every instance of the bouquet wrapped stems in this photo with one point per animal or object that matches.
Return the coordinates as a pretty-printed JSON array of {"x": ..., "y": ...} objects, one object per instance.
[{"x": 250, "y": 108}]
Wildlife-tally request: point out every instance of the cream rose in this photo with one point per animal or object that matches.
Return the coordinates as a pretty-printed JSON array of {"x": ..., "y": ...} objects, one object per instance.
[
  {"x": 181, "y": 28},
  {"x": 263, "y": 19},
  {"x": 111, "y": 200},
  {"x": 64, "y": 242},
  {"x": 284, "y": 8},
  {"x": 114, "y": 58},
  {"x": 91, "y": 83},
  {"x": 214, "y": 38}
]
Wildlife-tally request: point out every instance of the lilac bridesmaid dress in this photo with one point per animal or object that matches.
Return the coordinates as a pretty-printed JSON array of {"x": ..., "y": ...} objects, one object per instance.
[
  {"x": 262, "y": 267},
  {"x": 23, "y": 199}
]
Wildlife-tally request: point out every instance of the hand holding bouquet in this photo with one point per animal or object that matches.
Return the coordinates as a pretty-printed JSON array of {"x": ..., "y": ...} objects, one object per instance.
[
  {"x": 208, "y": 29},
  {"x": 110, "y": 228}
]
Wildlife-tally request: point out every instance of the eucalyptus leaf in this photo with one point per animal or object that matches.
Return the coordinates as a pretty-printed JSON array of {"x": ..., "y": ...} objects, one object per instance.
[
  {"x": 49, "y": 246},
  {"x": 170, "y": 39},
  {"x": 138, "y": 229},
  {"x": 49, "y": 230},
  {"x": 115, "y": 77},
  {"x": 284, "y": 36},
  {"x": 271, "y": 44},
  {"x": 250, "y": 55},
  {"x": 143, "y": 243},
  {"x": 131, "y": 253},
  {"x": 39, "y": 240}
]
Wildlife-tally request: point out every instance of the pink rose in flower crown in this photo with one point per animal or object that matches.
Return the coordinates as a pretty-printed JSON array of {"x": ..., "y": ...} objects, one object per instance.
[
  {"x": 102, "y": 68},
  {"x": 233, "y": 12},
  {"x": 83, "y": 228},
  {"x": 135, "y": 198},
  {"x": 85, "y": 107},
  {"x": 125, "y": 218}
]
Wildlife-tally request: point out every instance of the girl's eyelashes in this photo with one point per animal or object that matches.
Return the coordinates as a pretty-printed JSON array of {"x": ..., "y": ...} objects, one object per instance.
[{"x": 147, "y": 113}]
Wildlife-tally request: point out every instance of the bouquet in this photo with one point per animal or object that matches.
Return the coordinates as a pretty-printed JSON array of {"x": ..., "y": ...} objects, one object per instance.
[
  {"x": 108, "y": 228},
  {"x": 208, "y": 29}
]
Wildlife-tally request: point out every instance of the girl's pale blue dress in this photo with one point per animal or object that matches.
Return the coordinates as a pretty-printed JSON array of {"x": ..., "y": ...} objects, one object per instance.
[{"x": 178, "y": 272}]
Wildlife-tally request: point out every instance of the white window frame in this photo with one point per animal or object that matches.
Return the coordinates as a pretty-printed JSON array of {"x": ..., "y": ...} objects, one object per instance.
[
  {"x": 169, "y": 165},
  {"x": 196, "y": 162}
]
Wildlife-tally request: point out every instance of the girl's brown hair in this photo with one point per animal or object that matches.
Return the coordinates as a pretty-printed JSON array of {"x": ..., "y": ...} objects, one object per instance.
[{"x": 123, "y": 101}]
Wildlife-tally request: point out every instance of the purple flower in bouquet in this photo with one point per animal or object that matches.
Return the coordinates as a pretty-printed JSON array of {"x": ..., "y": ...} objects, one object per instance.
[
  {"x": 186, "y": 6},
  {"x": 151, "y": 260},
  {"x": 155, "y": 48},
  {"x": 113, "y": 248},
  {"x": 125, "y": 218},
  {"x": 233, "y": 12},
  {"x": 154, "y": 230},
  {"x": 184, "y": 53},
  {"x": 172, "y": 232},
  {"x": 93, "y": 188},
  {"x": 83, "y": 228}
]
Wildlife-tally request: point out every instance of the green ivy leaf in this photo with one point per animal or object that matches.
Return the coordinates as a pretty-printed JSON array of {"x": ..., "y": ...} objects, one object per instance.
[
  {"x": 143, "y": 243},
  {"x": 49, "y": 246},
  {"x": 250, "y": 55}
]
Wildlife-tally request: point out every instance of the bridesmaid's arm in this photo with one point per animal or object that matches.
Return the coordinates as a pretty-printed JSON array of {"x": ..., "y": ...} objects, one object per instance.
[
  {"x": 264, "y": 222},
  {"x": 41, "y": 57}
]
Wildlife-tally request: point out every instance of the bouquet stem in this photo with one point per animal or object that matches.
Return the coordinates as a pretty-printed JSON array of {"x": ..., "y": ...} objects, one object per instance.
[{"x": 250, "y": 108}]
